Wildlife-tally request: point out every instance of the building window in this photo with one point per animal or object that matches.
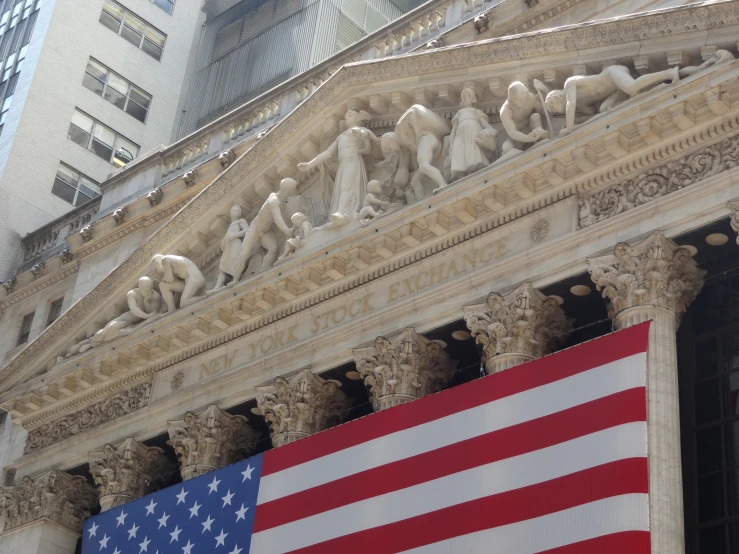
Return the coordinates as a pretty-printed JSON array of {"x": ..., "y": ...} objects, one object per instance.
[
  {"x": 73, "y": 187},
  {"x": 25, "y": 331},
  {"x": 55, "y": 310},
  {"x": 101, "y": 140},
  {"x": 134, "y": 29},
  {"x": 3, "y": 417},
  {"x": 115, "y": 89},
  {"x": 166, "y": 5}
]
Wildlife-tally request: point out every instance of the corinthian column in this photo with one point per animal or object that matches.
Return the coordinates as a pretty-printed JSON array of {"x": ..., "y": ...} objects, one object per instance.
[
  {"x": 301, "y": 406},
  {"x": 127, "y": 472},
  {"x": 54, "y": 496},
  {"x": 516, "y": 328},
  {"x": 655, "y": 280},
  {"x": 403, "y": 369},
  {"x": 210, "y": 440}
]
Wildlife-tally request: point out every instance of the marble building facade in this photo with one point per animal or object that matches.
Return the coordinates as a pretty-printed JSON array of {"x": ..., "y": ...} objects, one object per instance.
[{"x": 504, "y": 191}]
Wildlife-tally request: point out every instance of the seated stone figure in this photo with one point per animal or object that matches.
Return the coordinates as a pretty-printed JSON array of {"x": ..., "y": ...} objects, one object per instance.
[
  {"x": 143, "y": 303},
  {"x": 600, "y": 93},
  {"x": 371, "y": 201},
  {"x": 301, "y": 228},
  {"x": 521, "y": 119},
  {"x": 179, "y": 274}
]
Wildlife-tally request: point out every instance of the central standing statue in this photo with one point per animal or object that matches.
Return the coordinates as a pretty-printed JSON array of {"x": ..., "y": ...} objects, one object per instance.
[{"x": 350, "y": 185}]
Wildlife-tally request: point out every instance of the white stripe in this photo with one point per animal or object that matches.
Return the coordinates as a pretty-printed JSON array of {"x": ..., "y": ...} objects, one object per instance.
[
  {"x": 604, "y": 517},
  {"x": 624, "y": 374},
  {"x": 616, "y": 443}
]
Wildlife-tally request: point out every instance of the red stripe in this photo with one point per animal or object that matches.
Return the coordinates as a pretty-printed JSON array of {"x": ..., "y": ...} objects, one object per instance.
[
  {"x": 605, "y": 481},
  {"x": 555, "y": 367},
  {"x": 631, "y": 542},
  {"x": 604, "y": 413}
]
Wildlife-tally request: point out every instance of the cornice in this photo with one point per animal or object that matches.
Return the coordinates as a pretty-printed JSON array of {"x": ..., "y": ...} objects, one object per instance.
[
  {"x": 695, "y": 17},
  {"x": 39, "y": 285}
]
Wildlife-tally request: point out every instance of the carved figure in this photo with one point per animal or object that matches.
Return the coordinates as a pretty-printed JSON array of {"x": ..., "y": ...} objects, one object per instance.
[
  {"x": 423, "y": 132},
  {"x": 600, "y": 93},
  {"x": 371, "y": 201},
  {"x": 179, "y": 275},
  {"x": 350, "y": 184},
  {"x": 393, "y": 172},
  {"x": 231, "y": 246},
  {"x": 269, "y": 215},
  {"x": 469, "y": 127},
  {"x": 143, "y": 303},
  {"x": 301, "y": 227},
  {"x": 719, "y": 57},
  {"x": 521, "y": 119}
]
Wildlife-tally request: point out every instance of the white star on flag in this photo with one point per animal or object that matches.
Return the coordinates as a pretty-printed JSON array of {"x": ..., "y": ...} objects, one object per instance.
[
  {"x": 187, "y": 548},
  {"x": 121, "y": 519},
  {"x": 236, "y": 549},
  {"x": 150, "y": 507},
  {"x": 104, "y": 542},
  {"x": 241, "y": 514},
  {"x": 132, "y": 532},
  {"x": 247, "y": 473},
  {"x": 227, "y": 499},
  {"x": 181, "y": 496},
  {"x": 116, "y": 551},
  {"x": 207, "y": 523},
  {"x": 214, "y": 485},
  {"x": 144, "y": 545},
  {"x": 93, "y": 529},
  {"x": 220, "y": 539},
  {"x": 175, "y": 534},
  {"x": 194, "y": 509},
  {"x": 163, "y": 520}
]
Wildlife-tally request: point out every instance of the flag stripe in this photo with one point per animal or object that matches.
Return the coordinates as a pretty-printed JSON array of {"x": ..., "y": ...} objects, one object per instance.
[
  {"x": 633, "y": 542},
  {"x": 534, "y": 374},
  {"x": 624, "y": 407},
  {"x": 616, "y": 376},
  {"x": 530, "y": 469},
  {"x": 614, "y": 479}
]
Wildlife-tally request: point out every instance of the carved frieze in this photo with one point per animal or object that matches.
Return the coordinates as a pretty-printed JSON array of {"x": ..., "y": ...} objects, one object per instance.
[
  {"x": 405, "y": 368},
  {"x": 55, "y": 495},
  {"x": 301, "y": 406},
  {"x": 660, "y": 181},
  {"x": 127, "y": 471},
  {"x": 114, "y": 407},
  {"x": 210, "y": 440},
  {"x": 655, "y": 273},
  {"x": 520, "y": 326}
]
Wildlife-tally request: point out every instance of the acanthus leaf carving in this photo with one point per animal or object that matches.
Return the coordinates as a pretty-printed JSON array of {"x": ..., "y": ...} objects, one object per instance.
[{"x": 405, "y": 368}]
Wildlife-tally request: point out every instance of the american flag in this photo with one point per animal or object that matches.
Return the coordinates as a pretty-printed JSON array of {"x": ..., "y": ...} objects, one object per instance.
[{"x": 549, "y": 456}]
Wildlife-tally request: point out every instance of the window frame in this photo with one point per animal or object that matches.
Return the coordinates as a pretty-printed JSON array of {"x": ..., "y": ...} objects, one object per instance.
[
  {"x": 148, "y": 28},
  {"x": 52, "y": 305},
  {"x": 131, "y": 87},
  {"x": 170, "y": 2},
  {"x": 77, "y": 192},
  {"x": 93, "y": 139},
  {"x": 25, "y": 334}
]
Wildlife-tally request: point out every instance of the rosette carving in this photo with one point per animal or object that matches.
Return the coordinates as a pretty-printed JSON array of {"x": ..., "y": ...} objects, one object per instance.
[
  {"x": 656, "y": 272},
  {"x": 522, "y": 325},
  {"x": 405, "y": 368},
  {"x": 127, "y": 471},
  {"x": 210, "y": 440},
  {"x": 301, "y": 406},
  {"x": 55, "y": 495}
]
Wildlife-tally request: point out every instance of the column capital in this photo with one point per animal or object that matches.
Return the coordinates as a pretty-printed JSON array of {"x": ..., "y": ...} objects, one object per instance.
[
  {"x": 519, "y": 326},
  {"x": 210, "y": 440},
  {"x": 301, "y": 406},
  {"x": 127, "y": 471},
  {"x": 655, "y": 273},
  {"x": 55, "y": 496},
  {"x": 406, "y": 368}
]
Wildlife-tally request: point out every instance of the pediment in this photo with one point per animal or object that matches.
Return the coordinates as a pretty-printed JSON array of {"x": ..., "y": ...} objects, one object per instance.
[{"x": 654, "y": 127}]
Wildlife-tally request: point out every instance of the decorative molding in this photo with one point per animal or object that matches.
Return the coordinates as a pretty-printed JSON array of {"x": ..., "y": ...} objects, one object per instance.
[
  {"x": 127, "y": 471},
  {"x": 155, "y": 197},
  {"x": 86, "y": 232},
  {"x": 657, "y": 182},
  {"x": 406, "y": 368},
  {"x": 191, "y": 177},
  {"x": 210, "y": 440},
  {"x": 55, "y": 496},
  {"x": 119, "y": 215},
  {"x": 517, "y": 327},
  {"x": 36, "y": 286},
  {"x": 66, "y": 256},
  {"x": 112, "y": 408},
  {"x": 656, "y": 272},
  {"x": 177, "y": 380},
  {"x": 301, "y": 406},
  {"x": 540, "y": 230}
]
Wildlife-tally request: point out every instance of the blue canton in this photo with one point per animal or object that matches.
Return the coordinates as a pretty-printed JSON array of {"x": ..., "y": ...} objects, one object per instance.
[{"x": 213, "y": 513}]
